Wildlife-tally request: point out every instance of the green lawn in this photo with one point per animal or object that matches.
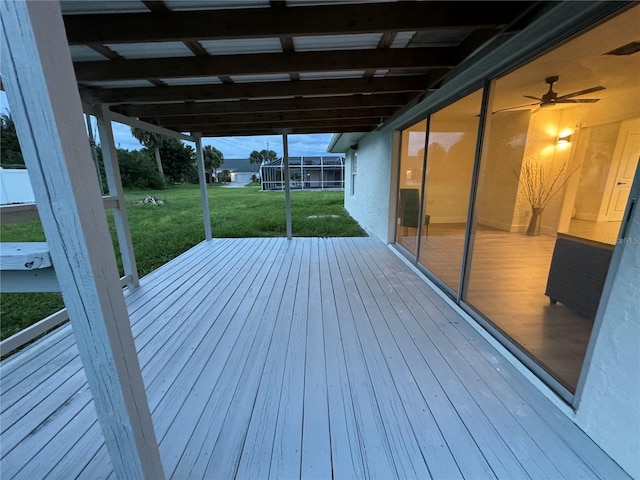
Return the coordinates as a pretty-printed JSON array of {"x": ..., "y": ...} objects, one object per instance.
[{"x": 160, "y": 233}]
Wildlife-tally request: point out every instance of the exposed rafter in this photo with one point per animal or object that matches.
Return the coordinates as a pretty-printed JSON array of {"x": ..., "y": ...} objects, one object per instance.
[
  {"x": 159, "y": 110},
  {"x": 334, "y": 67},
  {"x": 293, "y": 21},
  {"x": 280, "y": 117},
  {"x": 258, "y": 90},
  {"x": 266, "y": 63}
]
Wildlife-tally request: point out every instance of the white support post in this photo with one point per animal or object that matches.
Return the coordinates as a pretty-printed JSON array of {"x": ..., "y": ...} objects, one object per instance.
[
  {"x": 203, "y": 186},
  {"x": 41, "y": 87},
  {"x": 287, "y": 187},
  {"x": 114, "y": 182}
]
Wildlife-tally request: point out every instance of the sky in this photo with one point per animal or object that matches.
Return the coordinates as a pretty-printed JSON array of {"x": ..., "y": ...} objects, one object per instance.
[{"x": 231, "y": 147}]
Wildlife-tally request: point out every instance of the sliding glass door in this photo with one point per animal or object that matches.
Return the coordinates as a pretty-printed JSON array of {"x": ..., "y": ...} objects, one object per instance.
[
  {"x": 408, "y": 221},
  {"x": 559, "y": 151},
  {"x": 451, "y": 149}
]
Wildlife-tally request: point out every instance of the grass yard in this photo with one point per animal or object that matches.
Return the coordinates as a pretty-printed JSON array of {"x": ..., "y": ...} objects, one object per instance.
[{"x": 160, "y": 233}]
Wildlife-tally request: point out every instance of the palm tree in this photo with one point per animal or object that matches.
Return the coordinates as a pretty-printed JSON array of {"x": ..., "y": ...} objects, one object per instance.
[
  {"x": 151, "y": 141},
  {"x": 213, "y": 159}
]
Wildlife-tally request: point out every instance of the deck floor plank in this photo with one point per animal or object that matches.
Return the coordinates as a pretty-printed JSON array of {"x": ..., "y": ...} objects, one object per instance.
[
  {"x": 398, "y": 381},
  {"x": 316, "y": 441},
  {"x": 269, "y": 327},
  {"x": 180, "y": 419},
  {"x": 309, "y": 358},
  {"x": 255, "y": 459},
  {"x": 286, "y": 452},
  {"x": 464, "y": 424},
  {"x": 375, "y": 451},
  {"x": 523, "y": 426}
]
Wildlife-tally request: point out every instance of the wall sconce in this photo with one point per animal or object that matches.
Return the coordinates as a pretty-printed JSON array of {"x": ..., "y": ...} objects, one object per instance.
[{"x": 564, "y": 140}]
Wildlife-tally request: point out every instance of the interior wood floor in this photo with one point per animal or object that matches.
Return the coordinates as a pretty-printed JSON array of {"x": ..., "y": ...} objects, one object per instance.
[
  {"x": 507, "y": 282},
  {"x": 605, "y": 232},
  {"x": 310, "y": 358}
]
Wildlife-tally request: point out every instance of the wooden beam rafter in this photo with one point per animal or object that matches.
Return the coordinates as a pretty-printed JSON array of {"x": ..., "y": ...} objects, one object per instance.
[
  {"x": 266, "y": 63},
  {"x": 276, "y": 130},
  {"x": 296, "y": 21},
  {"x": 332, "y": 123},
  {"x": 275, "y": 117},
  {"x": 414, "y": 83},
  {"x": 157, "y": 110}
]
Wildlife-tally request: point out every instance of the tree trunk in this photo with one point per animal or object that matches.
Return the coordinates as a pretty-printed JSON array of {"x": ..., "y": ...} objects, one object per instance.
[
  {"x": 156, "y": 150},
  {"x": 158, "y": 161}
]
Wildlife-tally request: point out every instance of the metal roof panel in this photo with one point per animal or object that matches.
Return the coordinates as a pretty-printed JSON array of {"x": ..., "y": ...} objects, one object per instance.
[
  {"x": 242, "y": 45},
  {"x": 82, "y": 53},
  {"x": 214, "y": 4},
  {"x": 332, "y": 75},
  {"x": 337, "y": 42},
  {"x": 151, "y": 50},
  {"x": 276, "y": 77},
  {"x": 192, "y": 81},
  {"x": 76, "y": 7}
]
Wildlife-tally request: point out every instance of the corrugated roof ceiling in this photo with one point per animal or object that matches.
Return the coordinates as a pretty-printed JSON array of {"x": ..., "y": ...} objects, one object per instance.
[{"x": 276, "y": 66}]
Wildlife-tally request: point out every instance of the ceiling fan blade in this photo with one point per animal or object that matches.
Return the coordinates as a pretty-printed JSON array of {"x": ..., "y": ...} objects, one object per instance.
[
  {"x": 581, "y": 92},
  {"x": 515, "y": 108},
  {"x": 533, "y": 98},
  {"x": 579, "y": 100}
]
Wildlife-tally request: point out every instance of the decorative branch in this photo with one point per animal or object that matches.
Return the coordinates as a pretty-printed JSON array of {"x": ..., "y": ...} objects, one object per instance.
[{"x": 538, "y": 187}]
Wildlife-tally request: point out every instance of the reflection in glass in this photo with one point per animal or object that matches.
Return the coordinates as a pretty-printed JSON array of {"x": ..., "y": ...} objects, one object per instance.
[
  {"x": 411, "y": 166},
  {"x": 547, "y": 214},
  {"x": 450, "y": 155}
]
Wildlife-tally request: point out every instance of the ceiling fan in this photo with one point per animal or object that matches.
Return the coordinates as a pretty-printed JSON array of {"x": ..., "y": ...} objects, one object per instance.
[{"x": 551, "y": 98}]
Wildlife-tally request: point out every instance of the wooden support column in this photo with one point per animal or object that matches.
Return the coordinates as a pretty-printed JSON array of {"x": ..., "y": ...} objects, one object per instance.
[
  {"x": 287, "y": 186},
  {"x": 41, "y": 87},
  {"x": 203, "y": 186},
  {"x": 114, "y": 182}
]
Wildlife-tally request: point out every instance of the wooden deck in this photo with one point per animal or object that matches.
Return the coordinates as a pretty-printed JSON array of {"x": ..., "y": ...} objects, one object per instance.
[{"x": 314, "y": 358}]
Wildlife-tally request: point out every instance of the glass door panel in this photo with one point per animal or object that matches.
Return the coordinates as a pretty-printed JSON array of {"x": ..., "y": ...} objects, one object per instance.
[
  {"x": 451, "y": 150},
  {"x": 410, "y": 183},
  {"x": 552, "y": 186}
]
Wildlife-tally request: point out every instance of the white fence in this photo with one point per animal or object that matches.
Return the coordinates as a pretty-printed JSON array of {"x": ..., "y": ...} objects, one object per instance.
[{"x": 15, "y": 186}]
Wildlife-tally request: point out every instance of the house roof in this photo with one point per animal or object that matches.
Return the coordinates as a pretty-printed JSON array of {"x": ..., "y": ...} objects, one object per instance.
[
  {"x": 239, "y": 165},
  {"x": 247, "y": 67}
]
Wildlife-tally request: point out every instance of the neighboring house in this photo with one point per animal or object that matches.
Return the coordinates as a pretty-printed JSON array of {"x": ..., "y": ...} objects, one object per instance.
[
  {"x": 241, "y": 170},
  {"x": 452, "y": 183},
  {"x": 321, "y": 172}
]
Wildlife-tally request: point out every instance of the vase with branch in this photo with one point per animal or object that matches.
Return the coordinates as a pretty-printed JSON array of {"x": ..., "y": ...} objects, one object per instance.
[{"x": 540, "y": 186}]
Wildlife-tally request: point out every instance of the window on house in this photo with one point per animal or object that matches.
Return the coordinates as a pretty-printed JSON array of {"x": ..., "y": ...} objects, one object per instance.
[{"x": 354, "y": 172}]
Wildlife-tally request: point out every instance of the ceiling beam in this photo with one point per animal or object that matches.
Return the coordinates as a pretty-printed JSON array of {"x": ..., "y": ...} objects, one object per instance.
[
  {"x": 277, "y": 22},
  {"x": 266, "y": 63},
  {"x": 269, "y": 117},
  {"x": 291, "y": 131},
  {"x": 258, "y": 106},
  {"x": 335, "y": 124},
  {"x": 257, "y": 90},
  {"x": 226, "y": 131}
]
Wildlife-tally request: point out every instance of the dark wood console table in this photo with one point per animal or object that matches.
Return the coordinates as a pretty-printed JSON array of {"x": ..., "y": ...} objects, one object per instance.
[{"x": 577, "y": 274}]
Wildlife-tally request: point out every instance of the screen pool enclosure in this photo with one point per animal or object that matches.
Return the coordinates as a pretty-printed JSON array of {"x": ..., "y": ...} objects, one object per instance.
[{"x": 305, "y": 173}]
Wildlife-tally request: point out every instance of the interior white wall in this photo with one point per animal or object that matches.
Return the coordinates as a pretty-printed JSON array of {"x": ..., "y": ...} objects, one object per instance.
[
  {"x": 609, "y": 409},
  {"x": 370, "y": 204}
]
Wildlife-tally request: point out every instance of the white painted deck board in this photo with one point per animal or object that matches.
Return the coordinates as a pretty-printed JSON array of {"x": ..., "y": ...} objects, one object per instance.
[{"x": 264, "y": 358}]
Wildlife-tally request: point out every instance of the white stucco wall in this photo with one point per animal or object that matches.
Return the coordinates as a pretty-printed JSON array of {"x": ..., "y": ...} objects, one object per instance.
[
  {"x": 370, "y": 204},
  {"x": 609, "y": 409}
]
